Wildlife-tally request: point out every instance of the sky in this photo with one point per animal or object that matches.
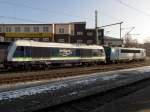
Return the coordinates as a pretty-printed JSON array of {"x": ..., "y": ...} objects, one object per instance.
[{"x": 133, "y": 13}]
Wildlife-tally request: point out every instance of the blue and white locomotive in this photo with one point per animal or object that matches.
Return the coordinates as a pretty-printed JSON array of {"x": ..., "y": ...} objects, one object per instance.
[
  {"x": 119, "y": 54},
  {"x": 32, "y": 53}
]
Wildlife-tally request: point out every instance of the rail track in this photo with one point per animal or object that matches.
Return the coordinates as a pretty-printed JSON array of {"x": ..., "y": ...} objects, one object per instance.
[{"x": 9, "y": 78}]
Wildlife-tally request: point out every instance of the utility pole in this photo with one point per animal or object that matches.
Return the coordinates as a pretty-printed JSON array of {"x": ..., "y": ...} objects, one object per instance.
[
  {"x": 96, "y": 27},
  {"x": 53, "y": 30},
  {"x": 120, "y": 29}
]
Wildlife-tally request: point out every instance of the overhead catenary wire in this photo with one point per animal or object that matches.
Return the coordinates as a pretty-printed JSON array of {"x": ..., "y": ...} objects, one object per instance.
[
  {"x": 12, "y": 3},
  {"x": 52, "y": 11},
  {"x": 133, "y": 8},
  {"x": 21, "y": 19},
  {"x": 40, "y": 9}
]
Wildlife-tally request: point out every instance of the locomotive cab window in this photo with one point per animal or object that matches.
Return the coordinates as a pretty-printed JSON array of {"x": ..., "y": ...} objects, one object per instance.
[
  {"x": 98, "y": 52},
  {"x": 95, "y": 52},
  {"x": 101, "y": 52},
  {"x": 19, "y": 52}
]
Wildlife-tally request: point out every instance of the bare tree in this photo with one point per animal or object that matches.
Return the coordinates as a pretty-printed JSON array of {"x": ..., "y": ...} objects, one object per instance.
[{"x": 130, "y": 42}]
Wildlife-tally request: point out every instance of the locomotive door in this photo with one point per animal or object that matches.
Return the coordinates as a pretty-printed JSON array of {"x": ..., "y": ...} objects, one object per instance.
[
  {"x": 118, "y": 53},
  {"x": 108, "y": 53}
]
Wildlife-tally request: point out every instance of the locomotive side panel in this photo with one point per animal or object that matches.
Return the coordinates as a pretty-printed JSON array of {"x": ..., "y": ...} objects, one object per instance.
[{"x": 126, "y": 54}]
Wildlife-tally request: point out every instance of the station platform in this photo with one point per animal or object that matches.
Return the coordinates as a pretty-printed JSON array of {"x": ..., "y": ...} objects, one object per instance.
[{"x": 50, "y": 93}]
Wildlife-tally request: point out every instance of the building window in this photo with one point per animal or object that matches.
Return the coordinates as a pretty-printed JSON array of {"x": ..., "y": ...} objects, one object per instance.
[
  {"x": 79, "y": 41},
  {"x": 45, "y": 29},
  {"x": 99, "y": 33},
  {"x": 89, "y": 41},
  {"x": 80, "y": 33},
  {"x": 61, "y": 30},
  {"x": 1, "y": 38},
  {"x": 0, "y": 29},
  {"x": 17, "y": 39},
  {"x": 17, "y": 29},
  {"x": 8, "y": 29},
  {"x": 36, "y": 39},
  {"x": 72, "y": 32},
  {"x": 45, "y": 39},
  {"x": 61, "y": 40},
  {"x": 109, "y": 43},
  {"x": 26, "y": 29},
  {"x": 27, "y": 39},
  {"x": 89, "y": 34},
  {"x": 36, "y": 29}
]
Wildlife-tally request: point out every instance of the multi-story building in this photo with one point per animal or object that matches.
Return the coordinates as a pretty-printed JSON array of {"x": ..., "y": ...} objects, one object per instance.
[
  {"x": 74, "y": 32},
  {"x": 62, "y": 32},
  {"x": 38, "y": 32}
]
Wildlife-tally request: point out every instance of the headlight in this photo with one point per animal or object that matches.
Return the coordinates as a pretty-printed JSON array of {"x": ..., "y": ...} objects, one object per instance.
[{"x": 113, "y": 50}]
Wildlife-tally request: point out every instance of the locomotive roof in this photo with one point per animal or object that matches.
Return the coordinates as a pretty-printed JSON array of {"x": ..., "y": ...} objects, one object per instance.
[
  {"x": 128, "y": 48},
  {"x": 52, "y": 44}
]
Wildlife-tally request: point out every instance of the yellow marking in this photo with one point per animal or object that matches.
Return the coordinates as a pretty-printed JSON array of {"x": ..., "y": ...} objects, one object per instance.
[{"x": 28, "y": 35}]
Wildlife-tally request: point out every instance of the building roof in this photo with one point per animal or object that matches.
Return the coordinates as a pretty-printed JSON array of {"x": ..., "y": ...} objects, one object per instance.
[
  {"x": 44, "y": 23},
  {"x": 25, "y": 24},
  {"x": 93, "y": 29},
  {"x": 112, "y": 38},
  {"x": 67, "y": 23},
  {"x": 82, "y": 22}
]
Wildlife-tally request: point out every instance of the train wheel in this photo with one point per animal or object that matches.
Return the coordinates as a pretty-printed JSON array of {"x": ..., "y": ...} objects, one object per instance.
[{"x": 27, "y": 67}]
